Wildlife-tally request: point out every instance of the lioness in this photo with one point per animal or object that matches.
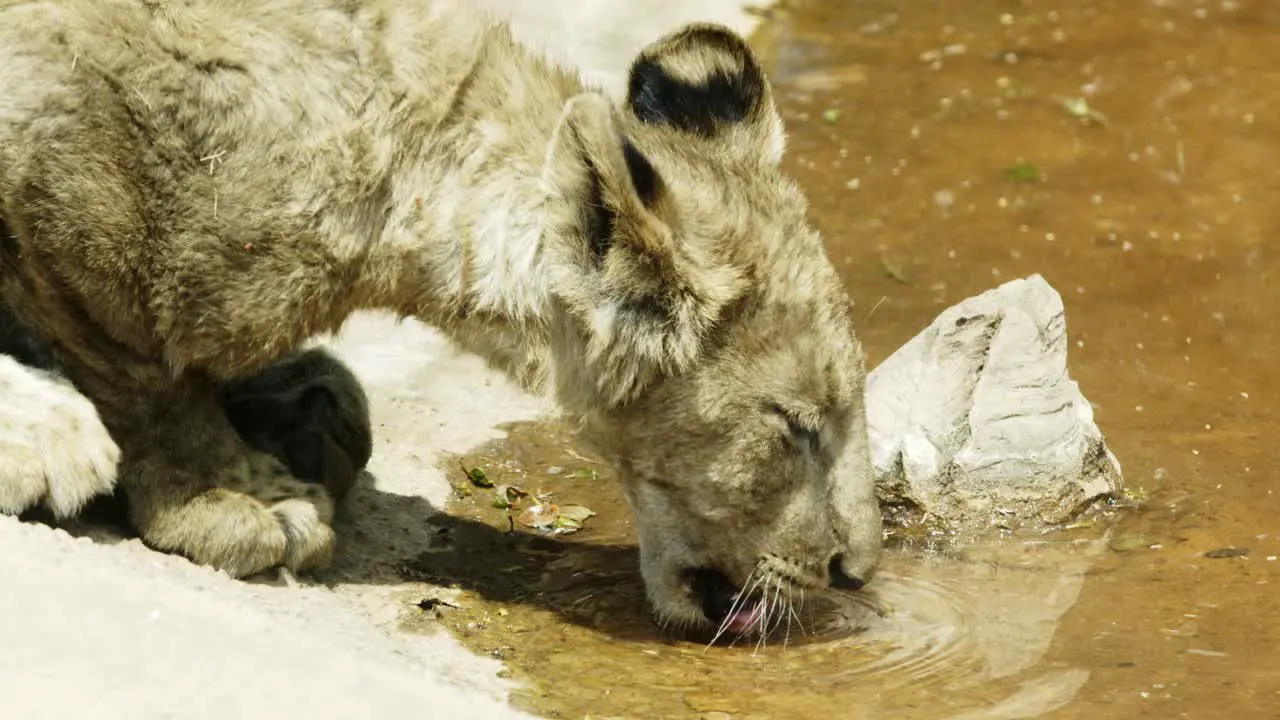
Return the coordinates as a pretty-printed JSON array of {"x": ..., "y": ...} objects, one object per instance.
[{"x": 191, "y": 188}]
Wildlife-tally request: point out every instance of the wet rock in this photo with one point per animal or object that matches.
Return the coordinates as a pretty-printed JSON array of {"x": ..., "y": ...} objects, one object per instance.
[{"x": 976, "y": 421}]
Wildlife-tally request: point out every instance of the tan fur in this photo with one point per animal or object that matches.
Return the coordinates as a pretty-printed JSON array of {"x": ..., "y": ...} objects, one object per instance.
[{"x": 195, "y": 187}]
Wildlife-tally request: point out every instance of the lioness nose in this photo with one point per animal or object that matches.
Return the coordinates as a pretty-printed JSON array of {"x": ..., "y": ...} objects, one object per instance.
[{"x": 838, "y": 578}]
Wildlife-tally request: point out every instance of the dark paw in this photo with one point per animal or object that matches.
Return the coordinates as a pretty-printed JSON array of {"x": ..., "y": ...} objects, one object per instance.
[{"x": 311, "y": 413}]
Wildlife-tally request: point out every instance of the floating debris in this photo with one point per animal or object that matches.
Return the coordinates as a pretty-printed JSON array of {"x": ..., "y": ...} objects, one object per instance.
[
  {"x": 1080, "y": 108},
  {"x": 506, "y": 496},
  {"x": 1205, "y": 653},
  {"x": 1136, "y": 495},
  {"x": 540, "y": 516},
  {"x": 830, "y": 115},
  {"x": 434, "y": 604},
  {"x": 573, "y": 516},
  {"x": 1227, "y": 552},
  {"x": 555, "y": 520},
  {"x": 478, "y": 477},
  {"x": 893, "y": 272},
  {"x": 1129, "y": 543},
  {"x": 1023, "y": 172}
]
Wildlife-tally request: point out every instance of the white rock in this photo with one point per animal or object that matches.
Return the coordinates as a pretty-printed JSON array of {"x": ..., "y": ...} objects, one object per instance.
[{"x": 976, "y": 421}]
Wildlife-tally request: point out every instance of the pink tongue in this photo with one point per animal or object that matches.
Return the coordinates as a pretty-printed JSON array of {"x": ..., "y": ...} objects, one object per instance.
[{"x": 744, "y": 618}]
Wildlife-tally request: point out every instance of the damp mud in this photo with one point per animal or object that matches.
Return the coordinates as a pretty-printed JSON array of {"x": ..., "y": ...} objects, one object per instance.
[{"x": 1128, "y": 152}]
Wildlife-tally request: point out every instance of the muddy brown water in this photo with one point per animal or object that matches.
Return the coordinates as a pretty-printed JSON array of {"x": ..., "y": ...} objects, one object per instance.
[{"x": 1126, "y": 151}]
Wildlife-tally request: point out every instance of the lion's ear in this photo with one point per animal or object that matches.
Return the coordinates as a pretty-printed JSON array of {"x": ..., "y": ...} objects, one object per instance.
[
  {"x": 639, "y": 299},
  {"x": 704, "y": 81}
]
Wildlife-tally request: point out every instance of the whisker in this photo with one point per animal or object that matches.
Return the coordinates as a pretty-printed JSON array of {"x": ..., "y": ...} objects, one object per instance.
[
  {"x": 796, "y": 617},
  {"x": 778, "y": 605},
  {"x": 798, "y": 611},
  {"x": 762, "y": 636},
  {"x": 746, "y": 593},
  {"x": 769, "y": 621},
  {"x": 769, "y": 617},
  {"x": 791, "y": 613},
  {"x": 724, "y": 624},
  {"x": 776, "y": 608}
]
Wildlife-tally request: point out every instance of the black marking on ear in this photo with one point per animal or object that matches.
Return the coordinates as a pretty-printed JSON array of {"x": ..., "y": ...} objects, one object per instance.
[
  {"x": 723, "y": 97},
  {"x": 599, "y": 219},
  {"x": 643, "y": 176}
]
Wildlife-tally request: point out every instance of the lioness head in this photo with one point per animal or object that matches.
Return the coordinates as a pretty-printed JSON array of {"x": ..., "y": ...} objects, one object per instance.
[{"x": 705, "y": 337}]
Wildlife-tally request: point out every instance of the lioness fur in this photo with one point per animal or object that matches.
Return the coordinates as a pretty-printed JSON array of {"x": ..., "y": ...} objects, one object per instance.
[{"x": 190, "y": 189}]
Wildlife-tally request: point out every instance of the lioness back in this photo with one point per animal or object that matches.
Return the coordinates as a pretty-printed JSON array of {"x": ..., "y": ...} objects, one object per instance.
[
  {"x": 269, "y": 103},
  {"x": 237, "y": 133}
]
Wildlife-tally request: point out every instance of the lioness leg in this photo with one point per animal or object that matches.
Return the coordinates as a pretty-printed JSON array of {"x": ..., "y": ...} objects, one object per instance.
[
  {"x": 309, "y": 411},
  {"x": 192, "y": 484},
  {"x": 195, "y": 487}
]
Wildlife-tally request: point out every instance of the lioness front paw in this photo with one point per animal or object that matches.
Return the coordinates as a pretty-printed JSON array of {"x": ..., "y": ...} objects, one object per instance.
[
  {"x": 259, "y": 517},
  {"x": 54, "y": 450},
  {"x": 310, "y": 412}
]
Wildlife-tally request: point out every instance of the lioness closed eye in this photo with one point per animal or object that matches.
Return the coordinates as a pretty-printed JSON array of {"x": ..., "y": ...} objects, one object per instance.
[{"x": 191, "y": 189}]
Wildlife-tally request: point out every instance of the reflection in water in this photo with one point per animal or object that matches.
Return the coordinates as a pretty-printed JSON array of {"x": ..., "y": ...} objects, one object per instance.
[{"x": 944, "y": 628}]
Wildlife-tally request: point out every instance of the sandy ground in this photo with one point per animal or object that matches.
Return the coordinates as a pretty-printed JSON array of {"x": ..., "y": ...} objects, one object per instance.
[{"x": 103, "y": 628}]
